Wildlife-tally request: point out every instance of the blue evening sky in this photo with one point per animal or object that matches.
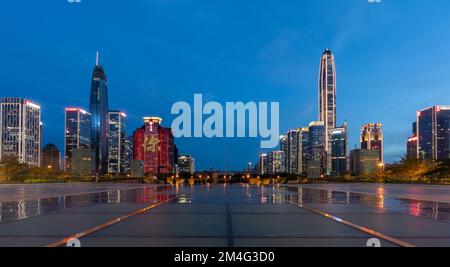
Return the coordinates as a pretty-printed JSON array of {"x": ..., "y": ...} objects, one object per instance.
[{"x": 392, "y": 59}]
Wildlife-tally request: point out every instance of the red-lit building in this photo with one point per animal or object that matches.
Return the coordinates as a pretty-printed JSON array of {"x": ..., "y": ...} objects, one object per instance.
[{"x": 154, "y": 145}]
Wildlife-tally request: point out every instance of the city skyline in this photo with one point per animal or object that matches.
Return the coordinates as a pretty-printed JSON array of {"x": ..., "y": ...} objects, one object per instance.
[{"x": 360, "y": 90}]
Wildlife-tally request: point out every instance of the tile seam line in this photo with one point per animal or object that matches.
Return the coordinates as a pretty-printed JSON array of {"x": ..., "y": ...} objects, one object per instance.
[{"x": 356, "y": 226}]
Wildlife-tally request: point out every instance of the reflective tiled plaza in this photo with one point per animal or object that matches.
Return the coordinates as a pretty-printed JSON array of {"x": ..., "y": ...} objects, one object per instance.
[{"x": 224, "y": 216}]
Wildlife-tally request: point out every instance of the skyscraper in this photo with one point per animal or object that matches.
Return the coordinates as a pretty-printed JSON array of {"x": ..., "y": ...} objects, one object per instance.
[
  {"x": 20, "y": 130},
  {"x": 51, "y": 158},
  {"x": 327, "y": 98},
  {"x": 317, "y": 163},
  {"x": 128, "y": 154},
  {"x": 99, "y": 110},
  {"x": 77, "y": 134},
  {"x": 433, "y": 133},
  {"x": 372, "y": 138},
  {"x": 263, "y": 167},
  {"x": 339, "y": 151},
  {"x": 284, "y": 146},
  {"x": 154, "y": 145},
  {"x": 116, "y": 143},
  {"x": 276, "y": 160},
  {"x": 303, "y": 150},
  {"x": 292, "y": 160}
]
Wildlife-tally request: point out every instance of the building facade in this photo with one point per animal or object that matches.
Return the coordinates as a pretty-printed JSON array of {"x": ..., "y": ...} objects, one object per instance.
[
  {"x": 82, "y": 163},
  {"x": 372, "y": 138},
  {"x": 263, "y": 164},
  {"x": 117, "y": 142},
  {"x": 20, "y": 130},
  {"x": 100, "y": 127},
  {"x": 128, "y": 154},
  {"x": 276, "y": 160},
  {"x": 292, "y": 156},
  {"x": 327, "y": 98},
  {"x": 433, "y": 133},
  {"x": 339, "y": 151},
  {"x": 51, "y": 158},
  {"x": 77, "y": 133},
  {"x": 365, "y": 161},
  {"x": 303, "y": 150},
  {"x": 186, "y": 164},
  {"x": 317, "y": 163},
  {"x": 154, "y": 145}
]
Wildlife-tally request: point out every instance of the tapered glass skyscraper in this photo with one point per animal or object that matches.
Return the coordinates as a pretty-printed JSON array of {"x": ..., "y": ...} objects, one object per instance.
[
  {"x": 99, "y": 110},
  {"x": 327, "y": 99}
]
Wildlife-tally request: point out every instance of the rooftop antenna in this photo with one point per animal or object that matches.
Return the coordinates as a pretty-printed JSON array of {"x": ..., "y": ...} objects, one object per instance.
[{"x": 97, "y": 59}]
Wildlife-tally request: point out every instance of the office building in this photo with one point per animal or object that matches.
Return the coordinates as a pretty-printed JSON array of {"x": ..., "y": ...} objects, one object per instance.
[
  {"x": 372, "y": 138},
  {"x": 117, "y": 142},
  {"x": 433, "y": 133},
  {"x": 186, "y": 164},
  {"x": 154, "y": 145},
  {"x": 77, "y": 133},
  {"x": 20, "y": 130},
  {"x": 327, "y": 99},
  {"x": 100, "y": 127},
  {"x": 82, "y": 163},
  {"x": 365, "y": 161},
  {"x": 303, "y": 150},
  {"x": 339, "y": 151},
  {"x": 317, "y": 163},
  {"x": 263, "y": 164},
  {"x": 51, "y": 158},
  {"x": 276, "y": 162}
]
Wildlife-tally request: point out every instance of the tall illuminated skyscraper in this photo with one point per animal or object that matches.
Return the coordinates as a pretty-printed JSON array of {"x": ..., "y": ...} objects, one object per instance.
[
  {"x": 20, "y": 130},
  {"x": 327, "y": 99},
  {"x": 100, "y": 126},
  {"x": 117, "y": 140}
]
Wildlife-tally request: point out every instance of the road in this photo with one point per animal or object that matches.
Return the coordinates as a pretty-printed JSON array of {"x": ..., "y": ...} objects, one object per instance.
[{"x": 222, "y": 216}]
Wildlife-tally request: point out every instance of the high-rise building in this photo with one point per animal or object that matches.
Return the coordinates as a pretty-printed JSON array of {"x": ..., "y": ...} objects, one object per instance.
[
  {"x": 154, "y": 145},
  {"x": 99, "y": 110},
  {"x": 51, "y": 157},
  {"x": 186, "y": 164},
  {"x": 327, "y": 98},
  {"x": 339, "y": 151},
  {"x": 20, "y": 130},
  {"x": 128, "y": 154},
  {"x": 292, "y": 155},
  {"x": 317, "y": 163},
  {"x": 372, "y": 138},
  {"x": 433, "y": 133},
  {"x": 277, "y": 163},
  {"x": 77, "y": 133},
  {"x": 263, "y": 164},
  {"x": 117, "y": 142},
  {"x": 284, "y": 146},
  {"x": 303, "y": 150}
]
